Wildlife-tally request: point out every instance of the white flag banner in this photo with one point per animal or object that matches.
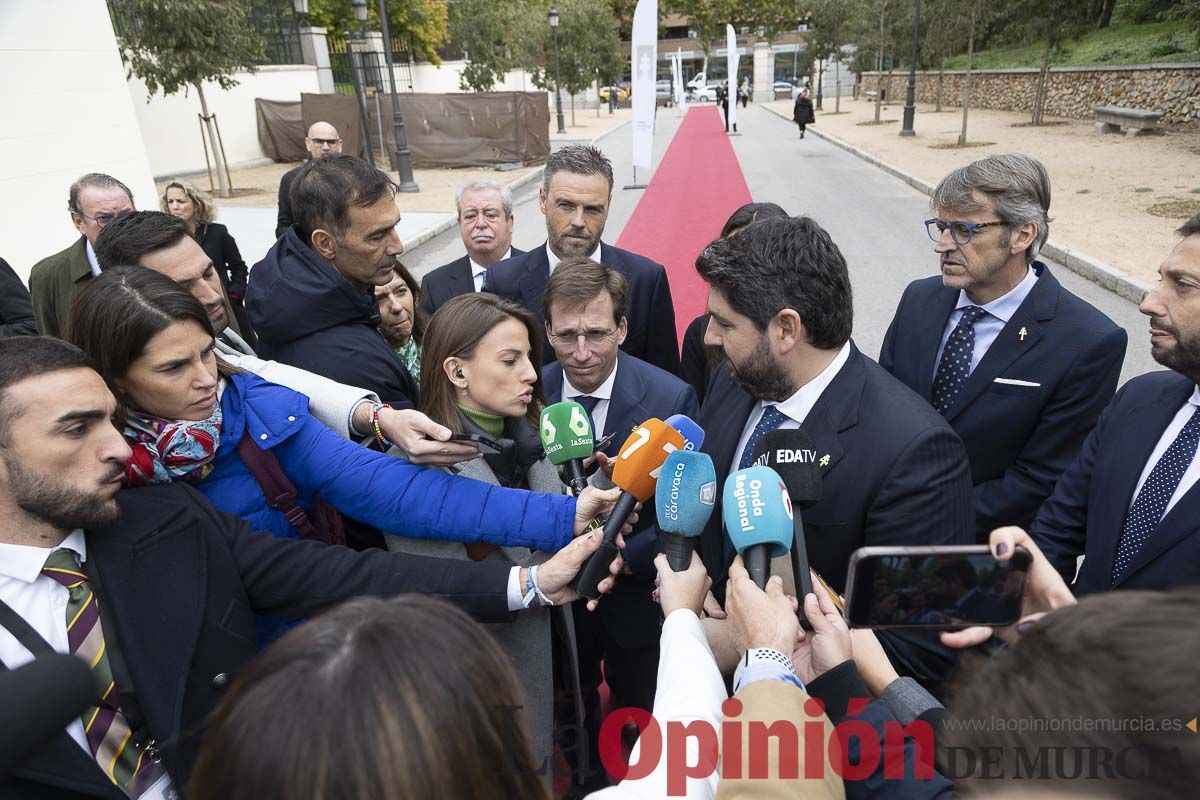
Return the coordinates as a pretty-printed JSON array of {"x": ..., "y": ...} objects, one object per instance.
[
  {"x": 676, "y": 80},
  {"x": 644, "y": 69},
  {"x": 680, "y": 89},
  {"x": 731, "y": 93}
]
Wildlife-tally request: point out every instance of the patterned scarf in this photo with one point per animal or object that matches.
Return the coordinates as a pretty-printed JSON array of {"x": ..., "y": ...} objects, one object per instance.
[
  {"x": 410, "y": 354},
  {"x": 167, "y": 450}
]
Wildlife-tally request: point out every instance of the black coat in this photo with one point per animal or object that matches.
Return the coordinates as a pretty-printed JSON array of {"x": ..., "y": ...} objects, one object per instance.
[
  {"x": 284, "y": 220},
  {"x": 802, "y": 112},
  {"x": 182, "y": 582},
  {"x": 307, "y": 315},
  {"x": 450, "y": 280},
  {"x": 16, "y": 311},
  {"x": 221, "y": 248}
]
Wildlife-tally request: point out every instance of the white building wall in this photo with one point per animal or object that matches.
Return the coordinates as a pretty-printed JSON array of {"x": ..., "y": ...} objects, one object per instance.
[{"x": 67, "y": 111}]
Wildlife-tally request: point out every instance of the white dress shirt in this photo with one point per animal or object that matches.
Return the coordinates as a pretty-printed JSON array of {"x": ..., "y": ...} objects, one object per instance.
[
  {"x": 40, "y": 601},
  {"x": 594, "y": 256},
  {"x": 987, "y": 327},
  {"x": 477, "y": 272},
  {"x": 1192, "y": 474},
  {"x": 603, "y": 394},
  {"x": 92, "y": 261},
  {"x": 796, "y": 407}
]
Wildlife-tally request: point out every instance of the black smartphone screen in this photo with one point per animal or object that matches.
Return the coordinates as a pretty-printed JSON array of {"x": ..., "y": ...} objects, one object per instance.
[{"x": 930, "y": 589}]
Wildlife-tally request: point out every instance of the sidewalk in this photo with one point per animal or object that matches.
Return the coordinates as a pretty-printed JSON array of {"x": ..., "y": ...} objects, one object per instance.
[{"x": 1117, "y": 200}]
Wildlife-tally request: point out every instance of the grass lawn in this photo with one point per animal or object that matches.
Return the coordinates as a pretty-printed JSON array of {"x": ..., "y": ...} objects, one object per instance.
[{"x": 1119, "y": 44}]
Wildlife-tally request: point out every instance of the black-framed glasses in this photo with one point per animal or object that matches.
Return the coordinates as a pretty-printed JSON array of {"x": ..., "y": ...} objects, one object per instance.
[
  {"x": 960, "y": 232},
  {"x": 330, "y": 142},
  {"x": 104, "y": 219},
  {"x": 592, "y": 337}
]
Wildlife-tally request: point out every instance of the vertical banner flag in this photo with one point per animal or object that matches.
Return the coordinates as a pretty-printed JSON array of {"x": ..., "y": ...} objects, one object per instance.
[
  {"x": 731, "y": 95},
  {"x": 680, "y": 88},
  {"x": 644, "y": 69},
  {"x": 676, "y": 81}
]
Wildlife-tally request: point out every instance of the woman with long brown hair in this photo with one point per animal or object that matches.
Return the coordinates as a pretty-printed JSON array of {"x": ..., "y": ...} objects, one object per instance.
[{"x": 479, "y": 376}]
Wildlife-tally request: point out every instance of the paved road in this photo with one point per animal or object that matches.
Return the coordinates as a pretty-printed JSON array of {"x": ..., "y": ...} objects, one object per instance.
[{"x": 874, "y": 218}]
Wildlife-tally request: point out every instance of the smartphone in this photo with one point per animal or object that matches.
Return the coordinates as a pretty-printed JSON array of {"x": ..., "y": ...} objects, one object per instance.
[
  {"x": 946, "y": 586},
  {"x": 485, "y": 443},
  {"x": 605, "y": 442}
]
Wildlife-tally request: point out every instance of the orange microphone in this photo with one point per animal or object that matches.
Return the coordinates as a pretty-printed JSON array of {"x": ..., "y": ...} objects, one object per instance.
[{"x": 636, "y": 474}]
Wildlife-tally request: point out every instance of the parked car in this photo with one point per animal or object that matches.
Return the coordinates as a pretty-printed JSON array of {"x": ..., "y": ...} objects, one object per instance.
[
  {"x": 705, "y": 94},
  {"x": 664, "y": 93},
  {"x": 784, "y": 89},
  {"x": 622, "y": 94}
]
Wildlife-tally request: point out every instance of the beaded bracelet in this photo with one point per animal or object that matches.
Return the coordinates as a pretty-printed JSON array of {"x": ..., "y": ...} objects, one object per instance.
[{"x": 383, "y": 440}]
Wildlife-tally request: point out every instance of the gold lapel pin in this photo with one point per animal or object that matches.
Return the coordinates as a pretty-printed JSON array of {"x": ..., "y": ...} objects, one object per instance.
[
  {"x": 1022, "y": 333},
  {"x": 825, "y": 460}
]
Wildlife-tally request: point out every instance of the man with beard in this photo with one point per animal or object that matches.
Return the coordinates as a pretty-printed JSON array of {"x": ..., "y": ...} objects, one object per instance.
[
  {"x": 1129, "y": 502},
  {"x": 893, "y": 472},
  {"x": 575, "y": 197},
  {"x": 157, "y": 591}
]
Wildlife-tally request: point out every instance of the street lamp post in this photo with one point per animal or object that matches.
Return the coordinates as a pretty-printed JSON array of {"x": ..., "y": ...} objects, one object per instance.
[
  {"x": 360, "y": 14},
  {"x": 403, "y": 154},
  {"x": 910, "y": 107},
  {"x": 562, "y": 128}
]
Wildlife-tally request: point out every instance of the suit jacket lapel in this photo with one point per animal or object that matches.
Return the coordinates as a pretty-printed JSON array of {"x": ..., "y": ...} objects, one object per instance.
[
  {"x": 929, "y": 337},
  {"x": 625, "y": 404},
  {"x": 461, "y": 281},
  {"x": 1019, "y": 336},
  {"x": 533, "y": 282},
  {"x": 835, "y": 411},
  {"x": 153, "y": 570}
]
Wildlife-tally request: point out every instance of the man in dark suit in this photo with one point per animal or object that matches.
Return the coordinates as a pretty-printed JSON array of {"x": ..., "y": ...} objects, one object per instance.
[
  {"x": 321, "y": 140},
  {"x": 1019, "y": 366},
  {"x": 584, "y": 307},
  {"x": 1129, "y": 501},
  {"x": 94, "y": 201},
  {"x": 575, "y": 196},
  {"x": 485, "y": 223},
  {"x": 16, "y": 312},
  {"x": 893, "y": 472},
  {"x": 155, "y": 588}
]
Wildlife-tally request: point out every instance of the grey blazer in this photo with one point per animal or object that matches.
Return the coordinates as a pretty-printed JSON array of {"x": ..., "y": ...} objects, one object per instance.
[{"x": 529, "y": 639}]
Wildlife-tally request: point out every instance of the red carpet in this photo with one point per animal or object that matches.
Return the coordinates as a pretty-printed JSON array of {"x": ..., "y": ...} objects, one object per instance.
[{"x": 694, "y": 190}]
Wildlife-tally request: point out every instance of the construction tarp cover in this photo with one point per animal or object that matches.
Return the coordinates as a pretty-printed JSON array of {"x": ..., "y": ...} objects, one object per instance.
[{"x": 443, "y": 130}]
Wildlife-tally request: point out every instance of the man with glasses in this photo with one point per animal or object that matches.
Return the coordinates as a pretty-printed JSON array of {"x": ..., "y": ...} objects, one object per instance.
[
  {"x": 584, "y": 306},
  {"x": 94, "y": 201},
  {"x": 1019, "y": 366},
  {"x": 322, "y": 140}
]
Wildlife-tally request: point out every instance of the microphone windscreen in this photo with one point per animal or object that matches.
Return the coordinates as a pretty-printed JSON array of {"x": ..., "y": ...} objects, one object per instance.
[
  {"x": 37, "y": 702},
  {"x": 793, "y": 455},
  {"x": 642, "y": 455},
  {"x": 693, "y": 434},
  {"x": 756, "y": 510},
  {"x": 566, "y": 432},
  {"x": 686, "y": 492}
]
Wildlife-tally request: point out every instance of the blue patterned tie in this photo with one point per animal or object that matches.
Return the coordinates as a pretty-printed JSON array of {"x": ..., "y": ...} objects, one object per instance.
[
  {"x": 771, "y": 419},
  {"x": 955, "y": 367},
  {"x": 1148, "y": 508}
]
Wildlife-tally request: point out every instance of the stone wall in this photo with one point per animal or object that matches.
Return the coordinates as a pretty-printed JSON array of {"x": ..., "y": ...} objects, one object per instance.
[{"x": 1173, "y": 89}]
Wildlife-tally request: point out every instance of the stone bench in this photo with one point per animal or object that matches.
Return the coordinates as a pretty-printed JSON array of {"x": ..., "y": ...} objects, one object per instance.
[{"x": 1135, "y": 121}]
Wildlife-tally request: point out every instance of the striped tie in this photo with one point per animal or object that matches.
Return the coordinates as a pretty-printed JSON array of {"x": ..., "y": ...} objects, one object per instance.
[{"x": 107, "y": 730}]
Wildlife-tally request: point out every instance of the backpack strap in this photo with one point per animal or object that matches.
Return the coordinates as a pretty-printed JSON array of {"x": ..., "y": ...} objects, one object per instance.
[{"x": 281, "y": 494}]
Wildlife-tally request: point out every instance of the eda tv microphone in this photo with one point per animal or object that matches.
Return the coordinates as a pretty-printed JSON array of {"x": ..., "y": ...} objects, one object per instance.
[
  {"x": 635, "y": 473},
  {"x": 684, "y": 499},
  {"x": 758, "y": 515},
  {"x": 37, "y": 702},
  {"x": 566, "y": 434},
  {"x": 693, "y": 434},
  {"x": 793, "y": 455}
]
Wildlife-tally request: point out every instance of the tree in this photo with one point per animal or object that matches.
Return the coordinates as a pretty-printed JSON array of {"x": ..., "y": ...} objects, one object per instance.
[
  {"x": 830, "y": 30},
  {"x": 952, "y": 19},
  {"x": 1051, "y": 22},
  {"x": 175, "y": 45},
  {"x": 587, "y": 45},
  {"x": 496, "y": 37},
  {"x": 420, "y": 23}
]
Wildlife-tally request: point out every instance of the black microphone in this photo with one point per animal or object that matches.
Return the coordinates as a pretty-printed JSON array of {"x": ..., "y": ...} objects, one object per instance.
[
  {"x": 38, "y": 701},
  {"x": 793, "y": 455}
]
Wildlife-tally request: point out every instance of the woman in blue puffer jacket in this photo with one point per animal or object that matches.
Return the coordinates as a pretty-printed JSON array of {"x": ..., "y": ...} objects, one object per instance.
[{"x": 186, "y": 413}]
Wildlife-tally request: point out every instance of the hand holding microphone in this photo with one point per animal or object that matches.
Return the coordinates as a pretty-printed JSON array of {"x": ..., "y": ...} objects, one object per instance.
[
  {"x": 792, "y": 454},
  {"x": 635, "y": 474},
  {"x": 758, "y": 516},
  {"x": 684, "y": 499},
  {"x": 566, "y": 434}
]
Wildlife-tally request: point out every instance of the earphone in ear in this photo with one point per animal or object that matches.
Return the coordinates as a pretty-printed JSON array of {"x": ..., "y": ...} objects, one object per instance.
[{"x": 458, "y": 373}]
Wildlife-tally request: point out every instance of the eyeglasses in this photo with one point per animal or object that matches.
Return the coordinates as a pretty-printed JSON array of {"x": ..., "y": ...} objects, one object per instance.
[
  {"x": 594, "y": 337},
  {"x": 103, "y": 219},
  {"x": 330, "y": 142},
  {"x": 960, "y": 232}
]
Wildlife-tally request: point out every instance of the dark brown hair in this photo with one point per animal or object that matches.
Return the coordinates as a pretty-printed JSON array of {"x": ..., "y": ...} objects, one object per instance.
[
  {"x": 24, "y": 357},
  {"x": 578, "y": 281},
  {"x": 455, "y": 332},
  {"x": 1191, "y": 227},
  {"x": 380, "y": 699},
  {"x": 420, "y": 318},
  {"x": 325, "y": 189},
  {"x": 118, "y": 313},
  {"x": 124, "y": 241}
]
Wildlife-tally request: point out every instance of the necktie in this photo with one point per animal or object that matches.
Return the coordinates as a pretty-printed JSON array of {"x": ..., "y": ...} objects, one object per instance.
[
  {"x": 955, "y": 366},
  {"x": 1148, "y": 508},
  {"x": 108, "y": 734},
  {"x": 589, "y": 405},
  {"x": 771, "y": 419}
]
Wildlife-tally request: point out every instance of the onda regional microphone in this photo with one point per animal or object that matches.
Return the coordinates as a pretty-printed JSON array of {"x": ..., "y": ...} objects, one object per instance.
[
  {"x": 758, "y": 516},
  {"x": 566, "y": 435},
  {"x": 38, "y": 701},
  {"x": 684, "y": 499},
  {"x": 793, "y": 455},
  {"x": 635, "y": 473}
]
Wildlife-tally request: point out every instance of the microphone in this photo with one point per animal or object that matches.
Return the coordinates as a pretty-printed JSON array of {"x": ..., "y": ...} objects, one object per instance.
[
  {"x": 793, "y": 455},
  {"x": 693, "y": 434},
  {"x": 684, "y": 500},
  {"x": 38, "y": 701},
  {"x": 758, "y": 516},
  {"x": 567, "y": 439},
  {"x": 635, "y": 473}
]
